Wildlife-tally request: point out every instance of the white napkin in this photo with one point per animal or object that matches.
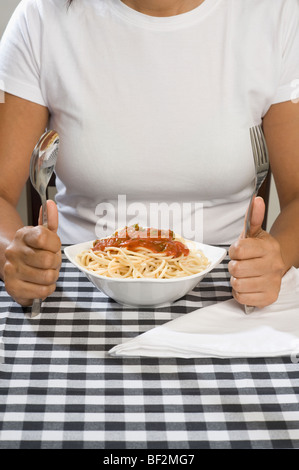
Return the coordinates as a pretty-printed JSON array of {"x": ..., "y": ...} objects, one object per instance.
[{"x": 223, "y": 330}]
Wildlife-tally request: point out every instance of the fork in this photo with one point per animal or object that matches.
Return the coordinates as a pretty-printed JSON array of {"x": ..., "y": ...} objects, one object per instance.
[{"x": 261, "y": 163}]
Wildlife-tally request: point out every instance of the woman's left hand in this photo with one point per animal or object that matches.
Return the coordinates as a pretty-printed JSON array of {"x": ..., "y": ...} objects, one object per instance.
[{"x": 256, "y": 265}]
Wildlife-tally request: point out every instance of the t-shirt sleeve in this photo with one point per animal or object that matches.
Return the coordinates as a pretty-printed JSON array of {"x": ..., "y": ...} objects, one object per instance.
[
  {"x": 20, "y": 53},
  {"x": 289, "y": 73}
]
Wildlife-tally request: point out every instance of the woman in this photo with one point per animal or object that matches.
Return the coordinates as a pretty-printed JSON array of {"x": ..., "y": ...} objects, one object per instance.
[{"x": 153, "y": 102}]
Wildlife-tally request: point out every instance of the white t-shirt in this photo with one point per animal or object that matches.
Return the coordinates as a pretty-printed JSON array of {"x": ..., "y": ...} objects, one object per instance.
[{"x": 153, "y": 113}]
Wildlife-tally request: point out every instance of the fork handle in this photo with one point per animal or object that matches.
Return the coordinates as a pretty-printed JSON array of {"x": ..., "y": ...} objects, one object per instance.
[
  {"x": 248, "y": 216},
  {"x": 37, "y": 303},
  {"x": 44, "y": 212},
  {"x": 36, "y": 308},
  {"x": 249, "y": 309}
]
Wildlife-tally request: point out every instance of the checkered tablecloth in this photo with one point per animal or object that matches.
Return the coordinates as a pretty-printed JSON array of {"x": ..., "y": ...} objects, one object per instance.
[{"x": 60, "y": 389}]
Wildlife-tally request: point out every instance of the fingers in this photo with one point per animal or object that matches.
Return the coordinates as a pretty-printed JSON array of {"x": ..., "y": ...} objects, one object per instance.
[
  {"x": 256, "y": 299},
  {"x": 255, "y": 290},
  {"x": 247, "y": 268},
  {"x": 40, "y": 238},
  {"x": 24, "y": 291},
  {"x": 256, "y": 269},
  {"x": 262, "y": 252},
  {"x": 40, "y": 258},
  {"x": 33, "y": 275},
  {"x": 247, "y": 248},
  {"x": 32, "y": 264}
]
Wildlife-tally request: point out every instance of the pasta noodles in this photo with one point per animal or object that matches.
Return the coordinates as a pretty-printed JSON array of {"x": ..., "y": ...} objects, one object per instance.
[{"x": 135, "y": 253}]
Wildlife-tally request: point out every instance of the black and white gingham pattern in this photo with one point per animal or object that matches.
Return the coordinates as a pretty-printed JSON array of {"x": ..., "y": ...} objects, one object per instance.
[{"x": 60, "y": 389}]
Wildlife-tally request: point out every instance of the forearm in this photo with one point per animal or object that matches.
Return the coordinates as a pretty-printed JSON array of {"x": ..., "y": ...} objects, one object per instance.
[
  {"x": 22, "y": 123},
  {"x": 286, "y": 231},
  {"x": 10, "y": 223}
]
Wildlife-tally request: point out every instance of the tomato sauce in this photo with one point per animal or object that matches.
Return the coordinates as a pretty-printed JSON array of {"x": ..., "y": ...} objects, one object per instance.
[{"x": 134, "y": 237}]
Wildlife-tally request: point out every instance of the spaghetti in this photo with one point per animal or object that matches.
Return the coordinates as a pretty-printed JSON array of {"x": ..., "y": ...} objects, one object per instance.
[{"x": 134, "y": 253}]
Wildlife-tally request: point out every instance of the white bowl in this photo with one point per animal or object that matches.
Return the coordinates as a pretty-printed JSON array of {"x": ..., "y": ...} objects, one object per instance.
[{"x": 146, "y": 292}]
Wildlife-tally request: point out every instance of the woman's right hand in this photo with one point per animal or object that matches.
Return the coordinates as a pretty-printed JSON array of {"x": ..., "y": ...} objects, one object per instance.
[{"x": 33, "y": 260}]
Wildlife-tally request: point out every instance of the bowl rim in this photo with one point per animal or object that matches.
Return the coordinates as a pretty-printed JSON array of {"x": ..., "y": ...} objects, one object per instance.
[{"x": 85, "y": 245}]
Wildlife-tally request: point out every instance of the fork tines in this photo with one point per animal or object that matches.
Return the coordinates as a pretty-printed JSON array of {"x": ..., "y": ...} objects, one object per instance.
[{"x": 259, "y": 147}]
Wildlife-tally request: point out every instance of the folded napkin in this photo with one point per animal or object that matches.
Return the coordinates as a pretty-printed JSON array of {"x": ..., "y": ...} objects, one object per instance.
[{"x": 223, "y": 330}]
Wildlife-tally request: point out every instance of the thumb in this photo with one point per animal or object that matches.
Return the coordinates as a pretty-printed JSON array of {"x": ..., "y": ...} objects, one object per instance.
[
  {"x": 257, "y": 216},
  {"x": 52, "y": 216}
]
